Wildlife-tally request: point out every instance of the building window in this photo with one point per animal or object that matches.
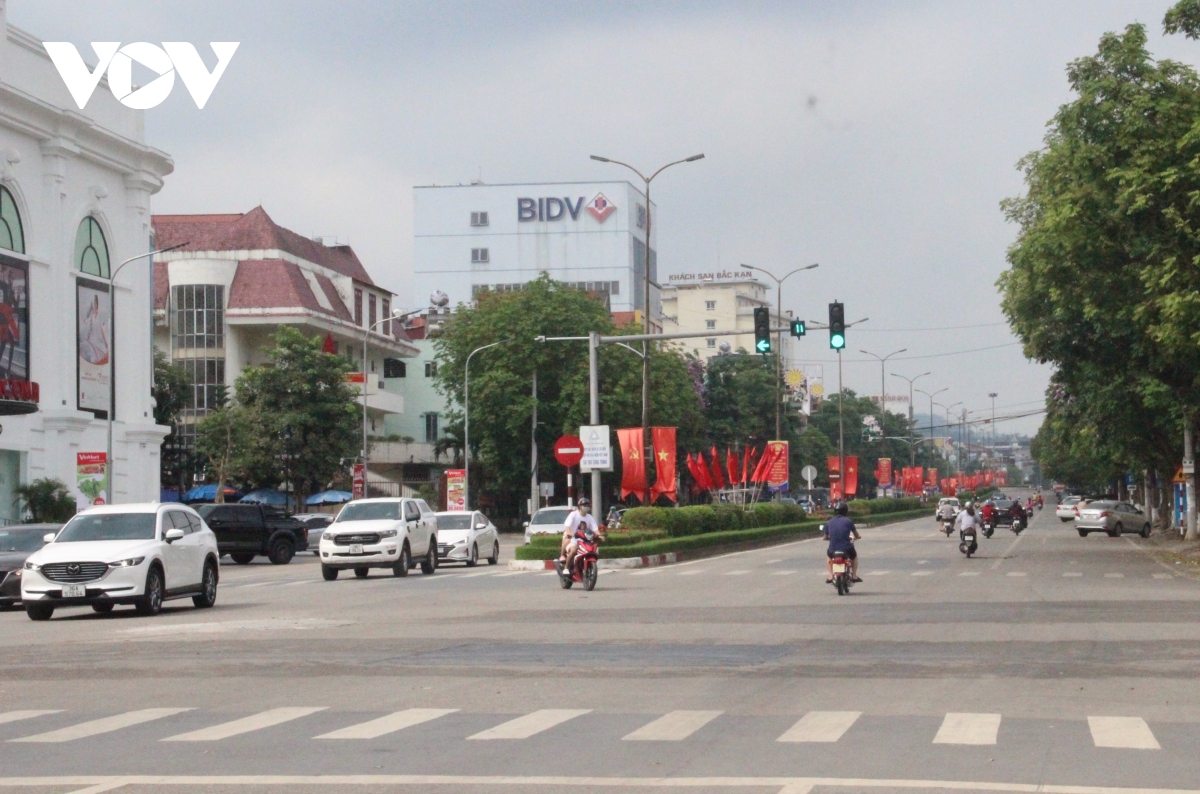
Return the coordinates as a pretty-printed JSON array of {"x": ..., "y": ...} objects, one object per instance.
[
  {"x": 91, "y": 251},
  {"x": 197, "y": 320},
  {"x": 710, "y": 323},
  {"x": 12, "y": 234},
  {"x": 710, "y": 305},
  {"x": 394, "y": 368},
  {"x": 431, "y": 428},
  {"x": 711, "y": 342},
  {"x": 430, "y": 369},
  {"x": 387, "y": 312},
  {"x": 641, "y": 217},
  {"x": 358, "y": 317},
  {"x": 371, "y": 310},
  {"x": 479, "y": 256},
  {"x": 479, "y": 219}
]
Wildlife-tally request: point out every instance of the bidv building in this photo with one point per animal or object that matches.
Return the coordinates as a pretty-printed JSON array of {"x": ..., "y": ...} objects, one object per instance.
[{"x": 591, "y": 235}]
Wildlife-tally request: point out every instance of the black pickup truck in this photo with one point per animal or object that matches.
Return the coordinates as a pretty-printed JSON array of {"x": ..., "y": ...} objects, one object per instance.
[{"x": 246, "y": 530}]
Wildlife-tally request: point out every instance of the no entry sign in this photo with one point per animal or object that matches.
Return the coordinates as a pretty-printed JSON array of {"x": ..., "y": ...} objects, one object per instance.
[{"x": 568, "y": 451}]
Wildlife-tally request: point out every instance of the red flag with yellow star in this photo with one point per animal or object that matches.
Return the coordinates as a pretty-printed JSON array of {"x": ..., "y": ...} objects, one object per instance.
[
  {"x": 633, "y": 468},
  {"x": 664, "y": 463}
]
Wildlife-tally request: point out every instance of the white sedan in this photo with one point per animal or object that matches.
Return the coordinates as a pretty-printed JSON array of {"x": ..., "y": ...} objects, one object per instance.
[{"x": 466, "y": 535}]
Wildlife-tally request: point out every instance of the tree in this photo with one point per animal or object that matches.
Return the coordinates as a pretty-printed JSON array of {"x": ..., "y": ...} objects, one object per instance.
[
  {"x": 46, "y": 500},
  {"x": 172, "y": 394}
]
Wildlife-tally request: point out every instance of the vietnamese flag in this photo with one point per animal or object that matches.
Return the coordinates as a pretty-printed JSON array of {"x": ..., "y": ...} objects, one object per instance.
[
  {"x": 731, "y": 466},
  {"x": 702, "y": 474},
  {"x": 851, "y": 475},
  {"x": 746, "y": 465},
  {"x": 664, "y": 463},
  {"x": 718, "y": 475},
  {"x": 633, "y": 467},
  {"x": 770, "y": 455}
]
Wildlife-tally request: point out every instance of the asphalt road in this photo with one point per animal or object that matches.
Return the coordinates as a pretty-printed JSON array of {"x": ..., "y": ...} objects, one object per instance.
[{"x": 1047, "y": 661}]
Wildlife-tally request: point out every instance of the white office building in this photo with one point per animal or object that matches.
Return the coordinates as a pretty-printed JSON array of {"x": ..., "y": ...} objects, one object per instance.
[
  {"x": 590, "y": 234},
  {"x": 75, "y": 188}
]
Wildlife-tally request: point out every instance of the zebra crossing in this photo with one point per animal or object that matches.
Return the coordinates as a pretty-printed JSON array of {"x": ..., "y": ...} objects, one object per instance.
[{"x": 813, "y": 727}]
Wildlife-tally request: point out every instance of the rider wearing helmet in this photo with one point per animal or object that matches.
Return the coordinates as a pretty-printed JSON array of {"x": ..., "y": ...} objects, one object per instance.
[
  {"x": 989, "y": 512},
  {"x": 578, "y": 521},
  {"x": 841, "y": 534}
]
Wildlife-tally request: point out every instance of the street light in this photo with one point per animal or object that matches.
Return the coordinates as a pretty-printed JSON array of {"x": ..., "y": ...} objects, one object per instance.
[
  {"x": 993, "y": 395},
  {"x": 883, "y": 391},
  {"x": 779, "y": 353},
  {"x": 911, "y": 381},
  {"x": 110, "y": 469},
  {"x": 396, "y": 315},
  {"x": 949, "y": 408},
  {"x": 931, "y": 404},
  {"x": 646, "y": 294},
  {"x": 467, "y": 421}
]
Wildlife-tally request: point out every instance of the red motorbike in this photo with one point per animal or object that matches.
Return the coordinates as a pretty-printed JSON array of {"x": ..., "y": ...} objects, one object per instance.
[{"x": 585, "y": 567}]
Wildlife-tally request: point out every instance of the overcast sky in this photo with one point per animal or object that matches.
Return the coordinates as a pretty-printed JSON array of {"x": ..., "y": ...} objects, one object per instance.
[{"x": 875, "y": 138}]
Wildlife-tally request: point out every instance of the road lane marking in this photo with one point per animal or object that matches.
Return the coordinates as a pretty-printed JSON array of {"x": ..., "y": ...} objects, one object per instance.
[
  {"x": 14, "y": 716},
  {"x": 483, "y": 573},
  {"x": 255, "y": 722},
  {"x": 1016, "y": 573},
  {"x": 820, "y": 726},
  {"x": 880, "y": 573},
  {"x": 736, "y": 573},
  {"x": 782, "y": 573},
  {"x": 691, "y": 573},
  {"x": 1126, "y": 732},
  {"x": 959, "y": 728},
  {"x": 530, "y": 724},
  {"x": 99, "y": 788},
  {"x": 1007, "y": 552},
  {"x": 969, "y": 573},
  {"x": 921, "y": 573},
  {"x": 397, "y": 721},
  {"x": 1072, "y": 575},
  {"x": 673, "y": 727},
  {"x": 1163, "y": 576},
  {"x": 299, "y": 581},
  {"x": 646, "y": 572},
  {"x": 1114, "y": 576},
  {"x": 102, "y": 725}
]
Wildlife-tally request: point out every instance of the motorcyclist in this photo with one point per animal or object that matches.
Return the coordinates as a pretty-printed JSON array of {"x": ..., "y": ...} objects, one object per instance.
[
  {"x": 988, "y": 512},
  {"x": 841, "y": 534},
  {"x": 966, "y": 518},
  {"x": 946, "y": 512},
  {"x": 1017, "y": 511},
  {"x": 578, "y": 522}
]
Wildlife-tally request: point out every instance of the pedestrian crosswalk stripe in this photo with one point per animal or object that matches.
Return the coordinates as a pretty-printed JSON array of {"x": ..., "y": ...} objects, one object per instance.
[
  {"x": 646, "y": 572},
  {"x": 821, "y": 726},
  {"x": 782, "y": 573},
  {"x": 880, "y": 573},
  {"x": 1114, "y": 576},
  {"x": 1016, "y": 573},
  {"x": 673, "y": 727},
  {"x": 736, "y": 573},
  {"x": 255, "y": 722},
  {"x": 689, "y": 573},
  {"x": 969, "y": 573},
  {"x": 958, "y": 728},
  {"x": 102, "y": 725},
  {"x": 530, "y": 724},
  {"x": 1125, "y": 732},
  {"x": 1163, "y": 576},
  {"x": 921, "y": 573},
  {"x": 1072, "y": 574},
  {"x": 14, "y": 716},
  {"x": 396, "y": 721}
]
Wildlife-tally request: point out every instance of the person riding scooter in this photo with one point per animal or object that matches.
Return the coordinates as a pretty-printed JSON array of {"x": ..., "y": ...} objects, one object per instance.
[
  {"x": 841, "y": 534},
  {"x": 1017, "y": 511},
  {"x": 578, "y": 521},
  {"x": 988, "y": 512}
]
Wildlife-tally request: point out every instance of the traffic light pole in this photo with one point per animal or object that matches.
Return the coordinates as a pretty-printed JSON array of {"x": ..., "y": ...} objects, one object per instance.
[{"x": 841, "y": 397}]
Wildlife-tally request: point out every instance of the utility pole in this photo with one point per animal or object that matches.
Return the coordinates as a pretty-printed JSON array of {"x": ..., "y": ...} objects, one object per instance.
[
  {"x": 534, "y": 490},
  {"x": 992, "y": 394},
  {"x": 1189, "y": 460}
]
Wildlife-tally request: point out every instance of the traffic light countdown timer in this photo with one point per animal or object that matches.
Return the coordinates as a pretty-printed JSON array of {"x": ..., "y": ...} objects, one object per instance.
[
  {"x": 762, "y": 330},
  {"x": 837, "y": 326}
]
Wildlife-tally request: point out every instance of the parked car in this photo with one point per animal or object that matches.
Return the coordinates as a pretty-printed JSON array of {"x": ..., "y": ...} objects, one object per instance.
[
  {"x": 315, "y": 523},
  {"x": 1065, "y": 510},
  {"x": 547, "y": 521},
  {"x": 16, "y": 544},
  {"x": 1111, "y": 517},
  {"x": 380, "y": 533},
  {"x": 139, "y": 554},
  {"x": 245, "y": 531},
  {"x": 461, "y": 535}
]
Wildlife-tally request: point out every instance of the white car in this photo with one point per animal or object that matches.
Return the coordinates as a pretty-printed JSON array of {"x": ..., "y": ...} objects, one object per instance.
[
  {"x": 464, "y": 534},
  {"x": 1066, "y": 510},
  {"x": 380, "y": 533},
  {"x": 547, "y": 521},
  {"x": 946, "y": 500},
  {"x": 139, "y": 554}
]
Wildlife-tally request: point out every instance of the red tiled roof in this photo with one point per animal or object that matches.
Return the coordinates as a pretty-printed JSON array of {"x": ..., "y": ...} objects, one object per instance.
[
  {"x": 271, "y": 284},
  {"x": 335, "y": 300},
  {"x": 249, "y": 231}
]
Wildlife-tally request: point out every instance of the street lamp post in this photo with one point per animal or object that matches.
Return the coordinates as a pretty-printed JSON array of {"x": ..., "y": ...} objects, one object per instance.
[
  {"x": 467, "y": 420},
  {"x": 993, "y": 395},
  {"x": 931, "y": 404},
  {"x": 950, "y": 408},
  {"x": 779, "y": 353},
  {"x": 911, "y": 381},
  {"x": 110, "y": 469},
  {"x": 883, "y": 392},
  {"x": 646, "y": 296}
]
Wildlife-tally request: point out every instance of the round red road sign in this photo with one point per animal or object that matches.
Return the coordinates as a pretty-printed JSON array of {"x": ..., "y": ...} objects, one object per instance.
[{"x": 568, "y": 450}]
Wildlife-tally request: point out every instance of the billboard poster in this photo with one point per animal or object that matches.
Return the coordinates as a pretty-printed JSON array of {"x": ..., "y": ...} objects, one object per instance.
[
  {"x": 814, "y": 377},
  {"x": 359, "y": 482},
  {"x": 456, "y": 489},
  {"x": 91, "y": 479},
  {"x": 883, "y": 472},
  {"x": 14, "y": 319},
  {"x": 93, "y": 328},
  {"x": 777, "y": 475}
]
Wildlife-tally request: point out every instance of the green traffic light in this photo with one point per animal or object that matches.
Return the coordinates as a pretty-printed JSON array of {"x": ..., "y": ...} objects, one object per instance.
[
  {"x": 763, "y": 345},
  {"x": 837, "y": 341}
]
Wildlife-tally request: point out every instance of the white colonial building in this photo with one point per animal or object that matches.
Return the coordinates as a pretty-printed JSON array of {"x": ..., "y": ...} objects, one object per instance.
[{"x": 75, "y": 188}]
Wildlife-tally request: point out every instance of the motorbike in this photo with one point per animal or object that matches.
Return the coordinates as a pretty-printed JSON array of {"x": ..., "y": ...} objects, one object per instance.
[
  {"x": 989, "y": 527},
  {"x": 948, "y": 526},
  {"x": 585, "y": 567},
  {"x": 966, "y": 541},
  {"x": 1017, "y": 526},
  {"x": 842, "y": 578}
]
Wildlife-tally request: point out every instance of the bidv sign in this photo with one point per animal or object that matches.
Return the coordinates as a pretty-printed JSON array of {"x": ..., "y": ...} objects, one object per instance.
[
  {"x": 555, "y": 209},
  {"x": 165, "y": 61}
]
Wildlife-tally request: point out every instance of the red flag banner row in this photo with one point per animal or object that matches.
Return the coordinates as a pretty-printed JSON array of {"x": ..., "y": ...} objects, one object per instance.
[
  {"x": 837, "y": 488},
  {"x": 633, "y": 468}
]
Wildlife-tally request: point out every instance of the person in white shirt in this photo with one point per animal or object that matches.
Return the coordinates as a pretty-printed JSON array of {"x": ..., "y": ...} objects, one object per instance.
[
  {"x": 579, "y": 520},
  {"x": 966, "y": 518}
]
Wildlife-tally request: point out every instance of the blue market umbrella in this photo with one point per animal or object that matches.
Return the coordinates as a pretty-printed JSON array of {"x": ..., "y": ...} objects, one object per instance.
[
  {"x": 208, "y": 493},
  {"x": 329, "y": 498},
  {"x": 266, "y": 497}
]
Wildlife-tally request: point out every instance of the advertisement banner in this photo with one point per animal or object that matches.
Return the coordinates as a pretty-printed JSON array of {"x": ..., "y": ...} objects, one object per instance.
[
  {"x": 14, "y": 319},
  {"x": 777, "y": 473},
  {"x": 814, "y": 379},
  {"x": 456, "y": 489},
  {"x": 93, "y": 332},
  {"x": 359, "y": 480},
  {"x": 91, "y": 479},
  {"x": 883, "y": 472}
]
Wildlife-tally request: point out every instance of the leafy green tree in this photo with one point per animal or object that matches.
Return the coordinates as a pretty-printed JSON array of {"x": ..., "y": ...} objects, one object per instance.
[
  {"x": 46, "y": 501},
  {"x": 172, "y": 394}
]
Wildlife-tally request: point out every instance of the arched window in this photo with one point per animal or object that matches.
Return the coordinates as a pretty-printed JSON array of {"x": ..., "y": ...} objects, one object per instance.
[
  {"x": 91, "y": 252},
  {"x": 12, "y": 236}
]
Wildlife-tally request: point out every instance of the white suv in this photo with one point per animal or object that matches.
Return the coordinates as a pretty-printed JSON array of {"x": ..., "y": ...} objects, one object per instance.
[
  {"x": 139, "y": 554},
  {"x": 380, "y": 533}
]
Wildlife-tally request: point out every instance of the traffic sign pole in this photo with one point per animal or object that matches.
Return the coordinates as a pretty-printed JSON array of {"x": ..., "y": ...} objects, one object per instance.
[{"x": 568, "y": 451}]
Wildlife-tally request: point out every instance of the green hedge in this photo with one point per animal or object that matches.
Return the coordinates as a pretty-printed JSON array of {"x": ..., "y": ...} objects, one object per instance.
[{"x": 680, "y": 522}]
